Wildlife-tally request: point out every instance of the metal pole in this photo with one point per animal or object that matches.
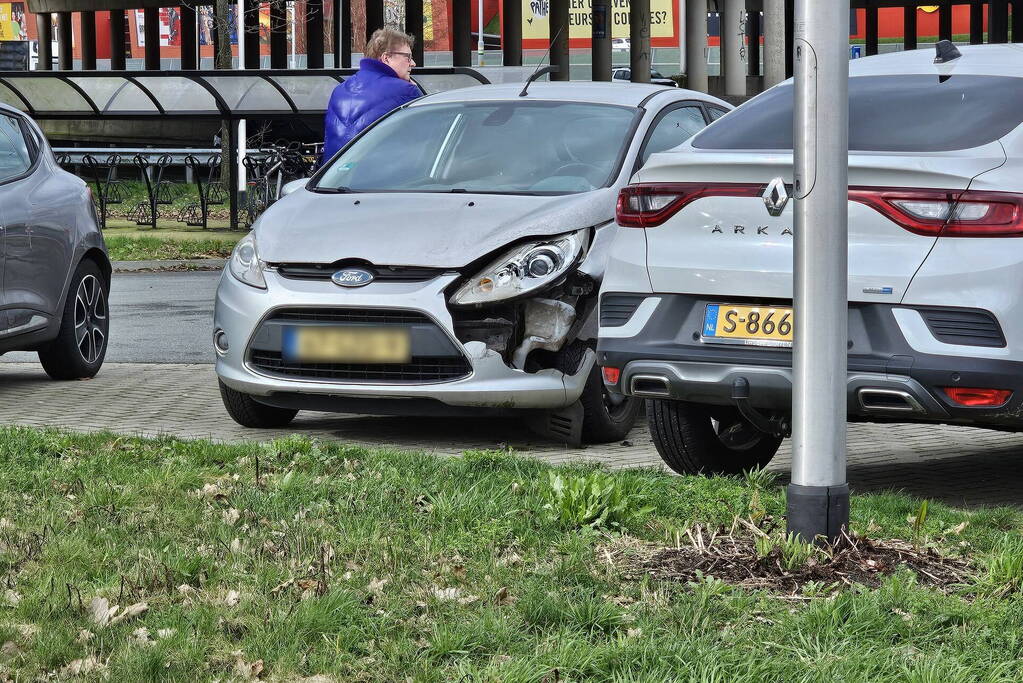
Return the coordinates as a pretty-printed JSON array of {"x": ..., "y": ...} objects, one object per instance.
[
  {"x": 291, "y": 34},
  {"x": 461, "y": 26},
  {"x": 696, "y": 45},
  {"x": 242, "y": 125},
  {"x": 945, "y": 22},
  {"x": 976, "y": 22},
  {"x": 251, "y": 25},
  {"x": 753, "y": 31},
  {"x": 65, "y": 53},
  {"x": 118, "y": 24},
  {"x": 278, "y": 34},
  {"x": 44, "y": 31},
  {"x": 511, "y": 40},
  {"x": 818, "y": 497},
  {"x": 871, "y": 29},
  {"x": 909, "y": 28},
  {"x": 774, "y": 42},
  {"x": 681, "y": 36},
  {"x": 189, "y": 38},
  {"x": 345, "y": 34},
  {"x": 733, "y": 32},
  {"x": 639, "y": 40},
  {"x": 152, "y": 34},
  {"x": 479, "y": 34},
  {"x": 558, "y": 32},
  {"x": 414, "y": 27},
  {"x": 88, "y": 41},
  {"x": 600, "y": 38}
]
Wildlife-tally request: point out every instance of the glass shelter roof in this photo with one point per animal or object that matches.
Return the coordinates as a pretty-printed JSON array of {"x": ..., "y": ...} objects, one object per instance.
[{"x": 194, "y": 94}]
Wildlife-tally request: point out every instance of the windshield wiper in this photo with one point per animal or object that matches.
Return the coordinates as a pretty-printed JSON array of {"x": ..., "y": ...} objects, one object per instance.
[{"x": 333, "y": 190}]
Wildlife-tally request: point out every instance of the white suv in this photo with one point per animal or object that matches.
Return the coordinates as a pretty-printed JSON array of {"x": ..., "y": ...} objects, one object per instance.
[{"x": 695, "y": 310}]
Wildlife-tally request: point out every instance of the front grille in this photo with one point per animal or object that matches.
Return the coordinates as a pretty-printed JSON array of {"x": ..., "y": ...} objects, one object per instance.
[
  {"x": 420, "y": 370},
  {"x": 320, "y": 271},
  {"x": 964, "y": 327},
  {"x": 378, "y": 316},
  {"x": 617, "y": 309}
]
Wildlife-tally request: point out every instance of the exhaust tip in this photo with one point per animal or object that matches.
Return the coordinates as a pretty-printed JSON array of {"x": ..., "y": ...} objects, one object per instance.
[
  {"x": 888, "y": 401},
  {"x": 650, "y": 385}
]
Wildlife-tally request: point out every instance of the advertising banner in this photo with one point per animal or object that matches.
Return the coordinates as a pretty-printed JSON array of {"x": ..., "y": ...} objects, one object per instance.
[
  {"x": 12, "y": 21},
  {"x": 536, "y": 26}
]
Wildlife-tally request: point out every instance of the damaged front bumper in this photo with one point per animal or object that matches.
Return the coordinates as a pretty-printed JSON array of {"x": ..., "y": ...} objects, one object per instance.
[{"x": 488, "y": 382}]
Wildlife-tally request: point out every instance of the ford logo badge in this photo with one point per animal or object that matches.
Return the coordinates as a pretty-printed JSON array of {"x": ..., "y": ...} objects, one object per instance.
[{"x": 352, "y": 277}]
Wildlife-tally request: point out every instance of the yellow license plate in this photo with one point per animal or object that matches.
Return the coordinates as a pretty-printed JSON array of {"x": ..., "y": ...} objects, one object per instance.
[
  {"x": 347, "y": 345},
  {"x": 754, "y": 325}
]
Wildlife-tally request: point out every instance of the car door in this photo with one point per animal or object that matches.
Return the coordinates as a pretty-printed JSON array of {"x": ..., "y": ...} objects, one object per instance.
[
  {"x": 38, "y": 236},
  {"x": 15, "y": 166},
  {"x": 675, "y": 124}
]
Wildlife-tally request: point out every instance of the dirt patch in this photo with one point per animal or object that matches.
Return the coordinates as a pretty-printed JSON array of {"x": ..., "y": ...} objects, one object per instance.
[{"x": 736, "y": 557}]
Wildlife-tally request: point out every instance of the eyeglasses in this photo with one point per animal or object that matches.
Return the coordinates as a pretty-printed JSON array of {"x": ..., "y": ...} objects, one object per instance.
[{"x": 406, "y": 55}]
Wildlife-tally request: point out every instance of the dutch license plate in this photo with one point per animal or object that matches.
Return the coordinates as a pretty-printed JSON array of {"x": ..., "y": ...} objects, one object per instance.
[
  {"x": 753, "y": 325},
  {"x": 347, "y": 345}
]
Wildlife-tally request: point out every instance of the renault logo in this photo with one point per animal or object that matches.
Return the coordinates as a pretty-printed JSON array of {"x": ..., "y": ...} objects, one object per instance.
[
  {"x": 775, "y": 197},
  {"x": 352, "y": 277}
]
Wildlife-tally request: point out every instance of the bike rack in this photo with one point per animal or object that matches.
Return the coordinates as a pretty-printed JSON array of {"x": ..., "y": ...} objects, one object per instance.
[{"x": 197, "y": 213}]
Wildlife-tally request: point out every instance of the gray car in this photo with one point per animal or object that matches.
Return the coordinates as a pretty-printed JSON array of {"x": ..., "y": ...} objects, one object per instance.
[
  {"x": 54, "y": 270},
  {"x": 448, "y": 261}
]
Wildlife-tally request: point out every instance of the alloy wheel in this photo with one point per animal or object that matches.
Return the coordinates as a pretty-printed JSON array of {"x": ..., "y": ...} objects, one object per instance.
[{"x": 90, "y": 319}]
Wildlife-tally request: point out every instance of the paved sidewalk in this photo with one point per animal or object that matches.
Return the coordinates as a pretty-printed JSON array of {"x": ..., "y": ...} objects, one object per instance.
[{"x": 959, "y": 465}]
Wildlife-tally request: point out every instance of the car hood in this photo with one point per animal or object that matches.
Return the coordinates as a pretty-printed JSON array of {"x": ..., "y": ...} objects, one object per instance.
[{"x": 413, "y": 229}]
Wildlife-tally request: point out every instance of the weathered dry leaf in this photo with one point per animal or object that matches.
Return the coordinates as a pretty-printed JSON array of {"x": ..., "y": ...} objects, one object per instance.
[
  {"x": 501, "y": 659},
  {"x": 84, "y": 636},
  {"x": 510, "y": 560},
  {"x": 11, "y": 597},
  {"x": 376, "y": 586},
  {"x": 318, "y": 678},
  {"x": 248, "y": 670},
  {"x": 230, "y": 516},
  {"x": 87, "y": 665},
  {"x": 959, "y": 528},
  {"x": 100, "y": 611},
  {"x": 6, "y": 523},
  {"x": 276, "y": 590},
  {"x": 634, "y": 632},
  {"x": 503, "y": 597},
  {"x": 185, "y": 589},
  {"x": 459, "y": 571},
  {"x": 130, "y": 612},
  {"x": 140, "y": 636},
  {"x": 212, "y": 491},
  {"x": 10, "y": 649},
  {"x": 236, "y": 546},
  {"x": 446, "y": 593},
  {"x": 232, "y": 598}
]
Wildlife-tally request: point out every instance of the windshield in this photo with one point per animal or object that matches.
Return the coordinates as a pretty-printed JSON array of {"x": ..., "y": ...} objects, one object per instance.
[{"x": 487, "y": 147}]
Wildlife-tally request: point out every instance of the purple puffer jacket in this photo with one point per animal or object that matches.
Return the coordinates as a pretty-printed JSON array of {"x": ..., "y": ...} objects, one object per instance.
[{"x": 362, "y": 99}]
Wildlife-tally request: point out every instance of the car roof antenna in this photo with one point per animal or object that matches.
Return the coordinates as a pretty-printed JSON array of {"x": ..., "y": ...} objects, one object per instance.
[
  {"x": 549, "y": 69},
  {"x": 946, "y": 52}
]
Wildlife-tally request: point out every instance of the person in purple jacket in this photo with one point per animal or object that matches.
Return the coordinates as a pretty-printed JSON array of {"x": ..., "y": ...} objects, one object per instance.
[{"x": 382, "y": 83}]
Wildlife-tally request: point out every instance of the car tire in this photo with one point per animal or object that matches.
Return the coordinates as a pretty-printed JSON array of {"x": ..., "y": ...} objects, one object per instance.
[
  {"x": 248, "y": 412},
  {"x": 81, "y": 344},
  {"x": 689, "y": 439},
  {"x": 607, "y": 417}
]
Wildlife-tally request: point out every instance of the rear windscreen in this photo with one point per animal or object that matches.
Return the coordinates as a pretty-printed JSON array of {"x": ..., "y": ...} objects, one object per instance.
[{"x": 910, "y": 113}]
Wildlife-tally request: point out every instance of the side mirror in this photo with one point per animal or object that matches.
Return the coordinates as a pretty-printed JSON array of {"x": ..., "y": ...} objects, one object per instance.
[{"x": 290, "y": 187}]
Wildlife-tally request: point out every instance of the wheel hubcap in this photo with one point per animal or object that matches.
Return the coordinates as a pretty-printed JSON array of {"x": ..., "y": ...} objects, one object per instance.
[{"x": 90, "y": 319}]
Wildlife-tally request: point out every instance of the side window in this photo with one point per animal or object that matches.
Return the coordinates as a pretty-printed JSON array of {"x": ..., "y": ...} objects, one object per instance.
[
  {"x": 716, "y": 113},
  {"x": 15, "y": 158},
  {"x": 674, "y": 128},
  {"x": 623, "y": 74}
]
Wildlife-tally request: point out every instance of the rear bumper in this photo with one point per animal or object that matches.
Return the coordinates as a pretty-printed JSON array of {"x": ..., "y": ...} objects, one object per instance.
[{"x": 888, "y": 380}]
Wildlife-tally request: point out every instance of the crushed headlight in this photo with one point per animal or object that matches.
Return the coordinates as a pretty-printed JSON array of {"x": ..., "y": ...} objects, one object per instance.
[
  {"x": 522, "y": 270},
  {"x": 244, "y": 263}
]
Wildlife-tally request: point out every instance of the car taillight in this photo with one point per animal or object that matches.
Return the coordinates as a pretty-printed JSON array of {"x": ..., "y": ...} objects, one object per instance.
[
  {"x": 978, "y": 398},
  {"x": 947, "y": 213},
  {"x": 647, "y": 205},
  {"x": 612, "y": 375}
]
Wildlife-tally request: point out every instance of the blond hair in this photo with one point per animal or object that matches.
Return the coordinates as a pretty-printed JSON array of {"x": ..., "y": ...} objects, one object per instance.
[{"x": 387, "y": 39}]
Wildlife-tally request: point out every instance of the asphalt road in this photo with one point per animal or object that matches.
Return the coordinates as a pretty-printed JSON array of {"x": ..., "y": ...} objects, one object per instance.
[{"x": 157, "y": 318}]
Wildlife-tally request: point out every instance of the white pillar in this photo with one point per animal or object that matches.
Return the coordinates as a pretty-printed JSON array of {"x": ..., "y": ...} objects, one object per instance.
[
  {"x": 774, "y": 42},
  {"x": 733, "y": 37},
  {"x": 242, "y": 130},
  {"x": 696, "y": 45}
]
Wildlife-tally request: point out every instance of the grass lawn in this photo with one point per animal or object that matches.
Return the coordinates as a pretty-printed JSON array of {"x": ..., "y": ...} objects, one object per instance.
[
  {"x": 156, "y": 246},
  {"x": 161, "y": 559}
]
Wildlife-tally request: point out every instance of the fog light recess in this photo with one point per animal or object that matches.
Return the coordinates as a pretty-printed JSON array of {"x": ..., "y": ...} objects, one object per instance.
[{"x": 220, "y": 341}]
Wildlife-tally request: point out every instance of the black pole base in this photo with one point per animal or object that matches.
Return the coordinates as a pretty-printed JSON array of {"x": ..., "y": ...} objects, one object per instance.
[{"x": 817, "y": 511}]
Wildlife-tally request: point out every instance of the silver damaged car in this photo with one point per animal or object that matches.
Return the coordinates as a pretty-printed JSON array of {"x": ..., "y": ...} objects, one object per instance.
[{"x": 447, "y": 261}]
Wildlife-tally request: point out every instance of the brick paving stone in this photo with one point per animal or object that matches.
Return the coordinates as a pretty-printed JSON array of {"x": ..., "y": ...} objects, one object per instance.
[{"x": 959, "y": 465}]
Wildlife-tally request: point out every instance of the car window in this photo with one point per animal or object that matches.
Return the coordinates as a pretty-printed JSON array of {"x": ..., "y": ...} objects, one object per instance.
[
  {"x": 674, "y": 128},
  {"x": 903, "y": 113},
  {"x": 623, "y": 74},
  {"x": 655, "y": 74},
  {"x": 494, "y": 147},
  {"x": 716, "y": 113},
  {"x": 15, "y": 159}
]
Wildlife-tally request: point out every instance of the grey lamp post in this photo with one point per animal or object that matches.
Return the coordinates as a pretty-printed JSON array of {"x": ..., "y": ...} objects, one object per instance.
[{"x": 818, "y": 497}]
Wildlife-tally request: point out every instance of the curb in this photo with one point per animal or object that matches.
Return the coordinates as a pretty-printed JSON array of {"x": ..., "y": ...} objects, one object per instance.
[{"x": 174, "y": 264}]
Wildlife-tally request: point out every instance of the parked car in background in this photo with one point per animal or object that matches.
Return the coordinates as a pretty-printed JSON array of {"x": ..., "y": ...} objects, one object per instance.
[
  {"x": 54, "y": 270},
  {"x": 624, "y": 73},
  {"x": 447, "y": 262},
  {"x": 696, "y": 308}
]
